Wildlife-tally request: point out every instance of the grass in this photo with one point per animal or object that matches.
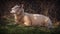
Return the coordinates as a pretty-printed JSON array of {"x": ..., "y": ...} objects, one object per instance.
[
  {"x": 12, "y": 29},
  {"x": 18, "y": 29}
]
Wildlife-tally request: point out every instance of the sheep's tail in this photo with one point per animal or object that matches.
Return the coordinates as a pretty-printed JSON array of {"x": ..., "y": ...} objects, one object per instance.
[{"x": 50, "y": 25}]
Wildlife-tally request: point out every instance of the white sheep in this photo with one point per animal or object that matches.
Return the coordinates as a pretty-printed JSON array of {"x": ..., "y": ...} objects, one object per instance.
[{"x": 27, "y": 19}]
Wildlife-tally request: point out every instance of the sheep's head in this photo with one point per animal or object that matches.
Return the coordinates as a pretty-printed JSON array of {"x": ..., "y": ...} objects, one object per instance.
[{"x": 17, "y": 9}]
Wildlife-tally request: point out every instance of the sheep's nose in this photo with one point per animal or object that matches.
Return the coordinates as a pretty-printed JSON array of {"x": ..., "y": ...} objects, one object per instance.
[{"x": 12, "y": 11}]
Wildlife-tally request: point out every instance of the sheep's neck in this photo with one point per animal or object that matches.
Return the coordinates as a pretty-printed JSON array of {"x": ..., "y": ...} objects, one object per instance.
[{"x": 18, "y": 18}]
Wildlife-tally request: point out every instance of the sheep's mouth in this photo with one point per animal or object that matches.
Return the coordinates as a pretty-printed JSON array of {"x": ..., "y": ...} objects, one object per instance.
[{"x": 12, "y": 12}]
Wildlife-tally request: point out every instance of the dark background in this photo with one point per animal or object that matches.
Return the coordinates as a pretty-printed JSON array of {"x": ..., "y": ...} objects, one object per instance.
[{"x": 49, "y": 8}]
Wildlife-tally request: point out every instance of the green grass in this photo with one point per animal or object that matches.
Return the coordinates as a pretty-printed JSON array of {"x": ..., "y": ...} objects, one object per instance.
[
  {"x": 13, "y": 29},
  {"x": 18, "y": 29}
]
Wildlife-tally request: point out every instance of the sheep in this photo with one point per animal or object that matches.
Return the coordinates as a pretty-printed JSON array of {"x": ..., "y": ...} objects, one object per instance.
[{"x": 28, "y": 19}]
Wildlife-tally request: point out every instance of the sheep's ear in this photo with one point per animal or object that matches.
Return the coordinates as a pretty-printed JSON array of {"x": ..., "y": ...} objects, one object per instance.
[
  {"x": 22, "y": 5},
  {"x": 15, "y": 6}
]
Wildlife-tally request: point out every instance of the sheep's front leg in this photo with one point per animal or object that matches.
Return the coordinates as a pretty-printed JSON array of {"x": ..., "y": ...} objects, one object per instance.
[{"x": 27, "y": 21}]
